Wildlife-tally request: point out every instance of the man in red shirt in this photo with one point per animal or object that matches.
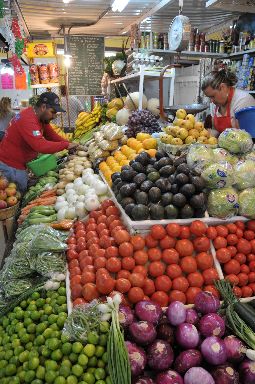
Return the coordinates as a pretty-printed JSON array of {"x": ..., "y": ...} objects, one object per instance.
[{"x": 28, "y": 134}]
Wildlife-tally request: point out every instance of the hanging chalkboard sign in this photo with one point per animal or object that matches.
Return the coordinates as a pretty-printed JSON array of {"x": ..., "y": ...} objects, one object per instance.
[{"x": 87, "y": 66}]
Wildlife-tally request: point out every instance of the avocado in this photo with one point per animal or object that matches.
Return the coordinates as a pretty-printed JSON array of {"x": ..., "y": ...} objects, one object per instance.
[
  {"x": 157, "y": 212},
  {"x": 181, "y": 179},
  {"x": 154, "y": 195},
  {"x": 128, "y": 175},
  {"x": 141, "y": 198},
  {"x": 143, "y": 158},
  {"x": 171, "y": 178},
  {"x": 119, "y": 198},
  {"x": 138, "y": 167},
  {"x": 153, "y": 160},
  {"x": 198, "y": 182},
  {"x": 120, "y": 184},
  {"x": 116, "y": 181},
  {"x": 153, "y": 176},
  {"x": 165, "y": 161},
  {"x": 139, "y": 179},
  {"x": 166, "y": 198},
  {"x": 163, "y": 184},
  {"x": 188, "y": 190},
  {"x": 174, "y": 189},
  {"x": 198, "y": 201},
  {"x": 179, "y": 160},
  {"x": 128, "y": 190},
  {"x": 171, "y": 212},
  {"x": 200, "y": 213},
  {"x": 186, "y": 212},
  {"x": 146, "y": 186},
  {"x": 179, "y": 200},
  {"x": 167, "y": 170},
  {"x": 150, "y": 169},
  {"x": 140, "y": 212},
  {"x": 183, "y": 168},
  {"x": 126, "y": 201},
  {"x": 129, "y": 208},
  {"x": 160, "y": 154},
  {"x": 115, "y": 175},
  {"x": 125, "y": 168}
]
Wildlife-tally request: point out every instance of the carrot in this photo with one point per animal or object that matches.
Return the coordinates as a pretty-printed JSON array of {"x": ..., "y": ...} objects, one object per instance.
[{"x": 50, "y": 192}]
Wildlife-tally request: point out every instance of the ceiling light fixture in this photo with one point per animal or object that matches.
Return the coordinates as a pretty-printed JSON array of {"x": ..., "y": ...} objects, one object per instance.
[
  {"x": 66, "y": 1},
  {"x": 119, "y": 5}
]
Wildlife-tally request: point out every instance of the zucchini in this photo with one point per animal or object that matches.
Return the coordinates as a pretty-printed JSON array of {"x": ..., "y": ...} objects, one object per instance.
[{"x": 246, "y": 314}]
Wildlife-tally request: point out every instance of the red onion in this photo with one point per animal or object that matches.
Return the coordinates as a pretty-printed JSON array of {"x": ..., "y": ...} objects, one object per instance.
[
  {"x": 247, "y": 372},
  {"x": 137, "y": 358},
  {"x": 225, "y": 374},
  {"x": 191, "y": 316},
  {"x": 126, "y": 316},
  {"x": 214, "y": 350},
  {"x": 148, "y": 311},
  {"x": 143, "y": 380},
  {"x": 165, "y": 332},
  {"x": 187, "y": 336},
  {"x": 169, "y": 377},
  {"x": 160, "y": 355},
  {"x": 142, "y": 332},
  {"x": 197, "y": 375},
  {"x": 235, "y": 349},
  {"x": 212, "y": 325},
  {"x": 186, "y": 360},
  {"x": 205, "y": 303},
  {"x": 176, "y": 313}
]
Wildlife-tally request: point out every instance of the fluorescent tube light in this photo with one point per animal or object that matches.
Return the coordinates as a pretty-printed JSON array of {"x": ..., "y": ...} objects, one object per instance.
[{"x": 119, "y": 5}]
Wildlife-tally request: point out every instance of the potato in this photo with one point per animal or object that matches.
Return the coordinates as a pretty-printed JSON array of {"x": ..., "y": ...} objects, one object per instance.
[
  {"x": 81, "y": 153},
  {"x": 60, "y": 192},
  {"x": 70, "y": 177}
]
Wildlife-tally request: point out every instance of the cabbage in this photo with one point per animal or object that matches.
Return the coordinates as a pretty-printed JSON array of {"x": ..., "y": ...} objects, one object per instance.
[
  {"x": 235, "y": 140},
  {"x": 244, "y": 172},
  {"x": 218, "y": 175},
  {"x": 247, "y": 203},
  {"x": 221, "y": 154},
  {"x": 199, "y": 156},
  {"x": 250, "y": 155},
  {"x": 223, "y": 203}
]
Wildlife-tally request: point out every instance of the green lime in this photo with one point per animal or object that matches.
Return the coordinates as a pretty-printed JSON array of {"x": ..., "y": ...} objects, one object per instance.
[
  {"x": 62, "y": 291},
  {"x": 56, "y": 355},
  {"x": 40, "y": 302},
  {"x": 51, "y": 365},
  {"x": 52, "y": 343},
  {"x": 73, "y": 357},
  {"x": 99, "y": 351},
  {"x": 66, "y": 348},
  {"x": 23, "y": 356},
  {"x": 100, "y": 363},
  {"x": 48, "y": 309},
  {"x": 39, "y": 340},
  {"x": 8, "y": 354},
  {"x": 33, "y": 353},
  {"x": 28, "y": 321},
  {"x": 37, "y": 381},
  {"x": 50, "y": 376},
  {"x": 92, "y": 361},
  {"x": 3, "y": 363},
  {"x": 71, "y": 380},
  {"x": 19, "y": 315},
  {"x": 66, "y": 362},
  {"x": 61, "y": 321},
  {"x": 89, "y": 350},
  {"x": 40, "y": 328},
  {"x": 24, "y": 338},
  {"x": 54, "y": 327},
  {"x": 16, "y": 343},
  {"x": 93, "y": 338},
  {"x": 35, "y": 295},
  {"x": 40, "y": 372},
  {"x": 33, "y": 363},
  {"x": 60, "y": 380},
  {"x": 32, "y": 307},
  {"x": 21, "y": 376},
  {"x": 18, "y": 350},
  {"x": 103, "y": 340},
  {"x": 31, "y": 328},
  {"x": 100, "y": 373},
  {"x": 52, "y": 318},
  {"x": 104, "y": 326},
  {"x": 105, "y": 357},
  {"x": 29, "y": 346},
  {"x": 43, "y": 317},
  {"x": 56, "y": 334},
  {"x": 108, "y": 380},
  {"x": 15, "y": 380},
  {"x": 47, "y": 333},
  {"x": 65, "y": 338},
  {"x": 29, "y": 376},
  {"x": 64, "y": 370},
  {"x": 35, "y": 315},
  {"x": 10, "y": 369},
  {"x": 77, "y": 370},
  {"x": 83, "y": 360},
  {"x": 23, "y": 304},
  {"x": 77, "y": 347},
  {"x": 14, "y": 360},
  {"x": 89, "y": 378},
  {"x": 45, "y": 351}
]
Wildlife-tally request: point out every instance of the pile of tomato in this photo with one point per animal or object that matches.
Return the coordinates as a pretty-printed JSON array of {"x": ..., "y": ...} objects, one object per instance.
[
  {"x": 170, "y": 263},
  {"x": 235, "y": 250}
]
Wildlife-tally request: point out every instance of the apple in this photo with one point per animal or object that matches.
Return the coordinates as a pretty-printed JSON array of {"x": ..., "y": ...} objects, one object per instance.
[
  {"x": 177, "y": 141},
  {"x": 194, "y": 133},
  {"x": 3, "y": 182},
  {"x": 3, "y": 204},
  {"x": 182, "y": 133},
  {"x": 3, "y": 194},
  {"x": 191, "y": 118},
  {"x": 205, "y": 133},
  {"x": 190, "y": 140},
  {"x": 202, "y": 139},
  {"x": 181, "y": 114},
  {"x": 12, "y": 185},
  {"x": 12, "y": 200},
  {"x": 18, "y": 195},
  {"x": 11, "y": 191},
  {"x": 177, "y": 122},
  {"x": 199, "y": 125}
]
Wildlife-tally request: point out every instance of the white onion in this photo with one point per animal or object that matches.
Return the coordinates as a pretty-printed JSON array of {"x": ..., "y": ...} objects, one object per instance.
[
  {"x": 87, "y": 171},
  {"x": 69, "y": 186},
  {"x": 70, "y": 213},
  {"x": 71, "y": 199},
  {"x": 100, "y": 188},
  {"x": 61, "y": 204},
  {"x": 82, "y": 189},
  {"x": 81, "y": 198},
  {"x": 61, "y": 215},
  {"x": 91, "y": 203},
  {"x": 77, "y": 182},
  {"x": 60, "y": 199}
]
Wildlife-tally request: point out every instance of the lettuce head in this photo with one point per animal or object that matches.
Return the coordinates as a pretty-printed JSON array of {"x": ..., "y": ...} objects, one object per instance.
[
  {"x": 199, "y": 156},
  {"x": 223, "y": 203},
  {"x": 244, "y": 173},
  {"x": 218, "y": 175},
  {"x": 247, "y": 203},
  {"x": 235, "y": 140}
]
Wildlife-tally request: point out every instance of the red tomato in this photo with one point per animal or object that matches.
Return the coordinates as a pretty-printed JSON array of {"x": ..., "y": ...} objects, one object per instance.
[
  {"x": 83, "y": 254},
  {"x": 180, "y": 284},
  {"x": 81, "y": 247},
  {"x": 81, "y": 233},
  {"x": 176, "y": 295},
  {"x": 220, "y": 242},
  {"x": 106, "y": 241},
  {"x": 116, "y": 229},
  {"x": 245, "y": 269},
  {"x": 170, "y": 256},
  {"x": 232, "y": 267},
  {"x": 204, "y": 261},
  {"x": 104, "y": 232},
  {"x": 112, "y": 210},
  {"x": 91, "y": 227},
  {"x": 114, "y": 224},
  {"x": 243, "y": 279},
  {"x": 154, "y": 254},
  {"x": 252, "y": 266},
  {"x": 93, "y": 240},
  {"x": 198, "y": 228},
  {"x": 140, "y": 269},
  {"x": 149, "y": 286},
  {"x": 163, "y": 283},
  {"x": 232, "y": 250},
  {"x": 100, "y": 253},
  {"x": 101, "y": 227},
  {"x": 138, "y": 242},
  {"x": 167, "y": 242},
  {"x": 92, "y": 249},
  {"x": 188, "y": 264},
  {"x": 105, "y": 284},
  {"x": 91, "y": 234},
  {"x": 73, "y": 263},
  {"x": 211, "y": 233},
  {"x": 86, "y": 260},
  {"x": 252, "y": 286},
  {"x": 141, "y": 257},
  {"x": 77, "y": 279},
  {"x": 244, "y": 246},
  {"x": 88, "y": 277},
  {"x": 231, "y": 227},
  {"x": 99, "y": 262},
  {"x": 111, "y": 251},
  {"x": 90, "y": 292},
  {"x": 128, "y": 263},
  {"x": 150, "y": 242},
  {"x": 212, "y": 289},
  {"x": 158, "y": 232},
  {"x": 249, "y": 235},
  {"x": 113, "y": 264},
  {"x": 72, "y": 247},
  {"x": 184, "y": 247},
  {"x": 239, "y": 233},
  {"x": 185, "y": 232},
  {"x": 126, "y": 249},
  {"x": 191, "y": 294},
  {"x": 106, "y": 203},
  {"x": 232, "y": 239},
  {"x": 195, "y": 279},
  {"x": 222, "y": 230},
  {"x": 251, "y": 277},
  {"x": 121, "y": 237},
  {"x": 135, "y": 294},
  {"x": 173, "y": 230},
  {"x": 95, "y": 214},
  {"x": 71, "y": 254},
  {"x": 240, "y": 225},
  {"x": 122, "y": 285},
  {"x": 250, "y": 257},
  {"x": 136, "y": 280},
  {"x": 246, "y": 291},
  {"x": 173, "y": 271},
  {"x": 240, "y": 257},
  {"x": 252, "y": 243},
  {"x": 160, "y": 298},
  {"x": 201, "y": 244},
  {"x": 156, "y": 268},
  {"x": 102, "y": 219},
  {"x": 210, "y": 275},
  {"x": 81, "y": 240},
  {"x": 251, "y": 225},
  {"x": 79, "y": 301},
  {"x": 123, "y": 274},
  {"x": 237, "y": 291},
  {"x": 76, "y": 291},
  {"x": 232, "y": 278},
  {"x": 71, "y": 240},
  {"x": 223, "y": 255}
]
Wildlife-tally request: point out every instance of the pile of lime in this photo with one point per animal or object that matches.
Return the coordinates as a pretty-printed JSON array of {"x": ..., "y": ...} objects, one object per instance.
[{"x": 34, "y": 350}]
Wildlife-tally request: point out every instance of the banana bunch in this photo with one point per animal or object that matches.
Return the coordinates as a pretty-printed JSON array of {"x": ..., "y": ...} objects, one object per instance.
[
  {"x": 86, "y": 121},
  {"x": 60, "y": 132}
]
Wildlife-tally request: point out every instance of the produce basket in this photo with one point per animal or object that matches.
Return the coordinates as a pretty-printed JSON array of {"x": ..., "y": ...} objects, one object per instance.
[
  {"x": 43, "y": 164},
  {"x": 8, "y": 212}
]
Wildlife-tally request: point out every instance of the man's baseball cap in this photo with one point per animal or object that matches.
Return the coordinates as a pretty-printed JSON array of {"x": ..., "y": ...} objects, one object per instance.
[{"x": 51, "y": 100}]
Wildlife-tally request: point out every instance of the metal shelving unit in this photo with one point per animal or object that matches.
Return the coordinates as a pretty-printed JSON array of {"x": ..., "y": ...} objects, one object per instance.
[{"x": 49, "y": 85}]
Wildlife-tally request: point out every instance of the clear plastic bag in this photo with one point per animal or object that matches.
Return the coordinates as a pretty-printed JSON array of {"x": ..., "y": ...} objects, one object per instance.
[
  {"x": 247, "y": 203},
  {"x": 218, "y": 175},
  {"x": 106, "y": 145},
  {"x": 235, "y": 141},
  {"x": 48, "y": 263},
  {"x": 17, "y": 287},
  {"x": 113, "y": 132},
  {"x": 221, "y": 154},
  {"x": 223, "y": 203},
  {"x": 244, "y": 172},
  {"x": 199, "y": 156}
]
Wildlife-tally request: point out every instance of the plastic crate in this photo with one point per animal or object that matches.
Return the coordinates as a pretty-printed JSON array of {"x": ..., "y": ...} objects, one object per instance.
[{"x": 43, "y": 164}]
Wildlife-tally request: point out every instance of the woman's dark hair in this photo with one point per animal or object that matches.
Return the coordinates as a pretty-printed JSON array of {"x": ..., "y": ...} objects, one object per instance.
[{"x": 215, "y": 78}]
